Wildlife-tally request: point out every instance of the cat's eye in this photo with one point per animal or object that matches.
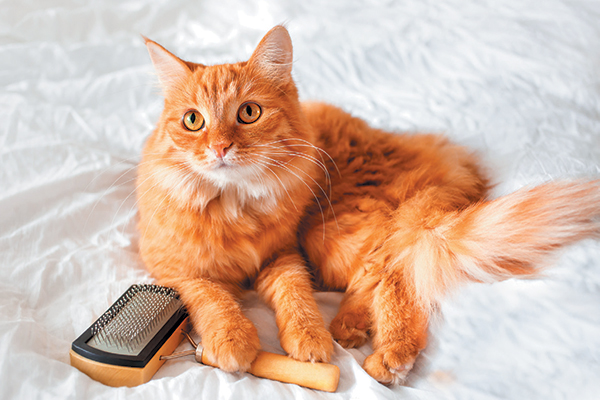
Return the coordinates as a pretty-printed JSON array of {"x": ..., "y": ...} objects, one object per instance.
[
  {"x": 249, "y": 112},
  {"x": 193, "y": 120}
]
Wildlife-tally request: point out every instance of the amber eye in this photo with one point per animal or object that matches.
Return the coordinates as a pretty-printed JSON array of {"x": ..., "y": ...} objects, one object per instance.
[
  {"x": 249, "y": 112},
  {"x": 193, "y": 120}
]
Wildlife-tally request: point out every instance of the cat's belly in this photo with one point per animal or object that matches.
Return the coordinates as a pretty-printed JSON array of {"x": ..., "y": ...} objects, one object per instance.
[{"x": 340, "y": 247}]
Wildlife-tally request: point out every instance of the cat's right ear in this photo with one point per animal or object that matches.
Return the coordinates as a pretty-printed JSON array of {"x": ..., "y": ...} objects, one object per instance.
[
  {"x": 169, "y": 68},
  {"x": 273, "y": 55}
]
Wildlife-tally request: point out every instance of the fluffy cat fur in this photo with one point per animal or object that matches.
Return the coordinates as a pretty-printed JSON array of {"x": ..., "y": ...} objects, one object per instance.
[{"x": 308, "y": 194}]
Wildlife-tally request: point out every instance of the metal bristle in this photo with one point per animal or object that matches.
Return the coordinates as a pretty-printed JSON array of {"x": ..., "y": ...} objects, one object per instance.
[{"x": 128, "y": 325}]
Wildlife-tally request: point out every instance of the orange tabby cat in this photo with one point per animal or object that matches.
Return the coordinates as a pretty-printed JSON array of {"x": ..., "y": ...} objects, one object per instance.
[{"x": 242, "y": 185}]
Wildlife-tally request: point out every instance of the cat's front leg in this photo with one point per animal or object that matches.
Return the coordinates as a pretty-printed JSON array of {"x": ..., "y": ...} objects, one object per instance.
[
  {"x": 400, "y": 331},
  {"x": 285, "y": 285},
  {"x": 229, "y": 338}
]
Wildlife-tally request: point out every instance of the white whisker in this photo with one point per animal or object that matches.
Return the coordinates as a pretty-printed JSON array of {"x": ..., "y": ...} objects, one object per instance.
[
  {"x": 279, "y": 164},
  {"x": 308, "y": 158},
  {"x": 114, "y": 184},
  {"x": 169, "y": 192},
  {"x": 305, "y": 143},
  {"x": 267, "y": 166},
  {"x": 169, "y": 167}
]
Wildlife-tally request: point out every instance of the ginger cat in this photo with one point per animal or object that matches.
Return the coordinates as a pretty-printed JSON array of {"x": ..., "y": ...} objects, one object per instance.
[{"x": 242, "y": 186}]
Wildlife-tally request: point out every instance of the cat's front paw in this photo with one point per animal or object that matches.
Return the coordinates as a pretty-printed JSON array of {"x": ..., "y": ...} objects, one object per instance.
[
  {"x": 232, "y": 347},
  {"x": 390, "y": 365},
  {"x": 310, "y": 342},
  {"x": 350, "y": 329}
]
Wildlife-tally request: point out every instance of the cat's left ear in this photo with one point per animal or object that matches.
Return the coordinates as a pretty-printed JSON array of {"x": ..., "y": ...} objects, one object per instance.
[
  {"x": 169, "y": 68},
  {"x": 274, "y": 54}
]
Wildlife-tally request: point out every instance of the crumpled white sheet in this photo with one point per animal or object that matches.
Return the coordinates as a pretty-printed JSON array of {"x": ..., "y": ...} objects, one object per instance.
[{"x": 517, "y": 80}]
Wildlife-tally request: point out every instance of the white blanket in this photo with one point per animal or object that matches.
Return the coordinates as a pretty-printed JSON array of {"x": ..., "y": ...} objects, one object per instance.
[{"x": 516, "y": 80}]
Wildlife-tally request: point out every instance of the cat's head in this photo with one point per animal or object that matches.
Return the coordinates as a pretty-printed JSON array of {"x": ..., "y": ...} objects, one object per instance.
[{"x": 231, "y": 124}]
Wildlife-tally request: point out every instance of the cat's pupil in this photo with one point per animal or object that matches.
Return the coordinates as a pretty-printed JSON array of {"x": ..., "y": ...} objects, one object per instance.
[
  {"x": 249, "y": 110},
  {"x": 193, "y": 118}
]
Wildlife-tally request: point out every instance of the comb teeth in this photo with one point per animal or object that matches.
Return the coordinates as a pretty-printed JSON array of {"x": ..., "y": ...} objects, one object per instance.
[{"x": 129, "y": 324}]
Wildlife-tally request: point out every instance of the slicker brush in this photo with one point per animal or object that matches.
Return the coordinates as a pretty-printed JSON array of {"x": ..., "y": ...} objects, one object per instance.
[
  {"x": 140, "y": 331},
  {"x": 123, "y": 347}
]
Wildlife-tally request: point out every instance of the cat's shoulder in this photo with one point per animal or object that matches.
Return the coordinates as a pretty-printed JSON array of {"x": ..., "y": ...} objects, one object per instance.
[
  {"x": 319, "y": 109},
  {"x": 325, "y": 116}
]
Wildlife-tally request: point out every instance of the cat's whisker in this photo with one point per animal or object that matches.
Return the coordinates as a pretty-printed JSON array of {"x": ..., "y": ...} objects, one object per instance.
[
  {"x": 114, "y": 184},
  {"x": 106, "y": 192},
  {"x": 158, "y": 206},
  {"x": 267, "y": 166},
  {"x": 168, "y": 167},
  {"x": 324, "y": 195},
  {"x": 309, "y": 158},
  {"x": 134, "y": 159},
  {"x": 306, "y": 143},
  {"x": 170, "y": 192},
  {"x": 104, "y": 170},
  {"x": 275, "y": 144},
  {"x": 276, "y": 163},
  {"x": 279, "y": 164},
  {"x": 287, "y": 150}
]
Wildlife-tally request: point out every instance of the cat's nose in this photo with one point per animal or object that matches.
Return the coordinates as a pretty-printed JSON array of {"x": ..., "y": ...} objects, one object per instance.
[{"x": 221, "y": 148}]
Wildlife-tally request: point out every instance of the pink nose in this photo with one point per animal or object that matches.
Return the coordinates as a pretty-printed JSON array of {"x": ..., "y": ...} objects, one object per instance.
[{"x": 220, "y": 149}]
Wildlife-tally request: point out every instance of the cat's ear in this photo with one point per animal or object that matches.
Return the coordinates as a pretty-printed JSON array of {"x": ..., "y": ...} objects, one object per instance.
[
  {"x": 274, "y": 54},
  {"x": 169, "y": 68}
]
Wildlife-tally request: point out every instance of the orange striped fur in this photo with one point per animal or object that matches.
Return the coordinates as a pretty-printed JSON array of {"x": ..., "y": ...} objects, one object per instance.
[{"x": 308, "y": 191}]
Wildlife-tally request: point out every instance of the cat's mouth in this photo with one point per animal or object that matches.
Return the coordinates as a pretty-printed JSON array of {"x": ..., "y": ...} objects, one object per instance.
[
  {"x": 225, "y": 166},
  {"x": 203, "y": 165},
  {"x": 221, "y": 163},
  {"x": 221, "y": 169}
]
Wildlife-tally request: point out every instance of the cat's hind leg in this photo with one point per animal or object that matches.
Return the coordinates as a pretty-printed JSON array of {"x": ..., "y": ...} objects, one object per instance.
[
  {"x": 350, "y": 327},
  {"x": 399, "y": 331}
]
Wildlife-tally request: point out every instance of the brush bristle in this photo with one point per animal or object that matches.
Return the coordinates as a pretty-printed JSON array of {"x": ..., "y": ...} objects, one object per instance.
[{"x": 133, "y": 320}]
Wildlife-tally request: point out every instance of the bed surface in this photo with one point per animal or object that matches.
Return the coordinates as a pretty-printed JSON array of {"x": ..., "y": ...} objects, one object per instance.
[{"x": 518, "y": 81}]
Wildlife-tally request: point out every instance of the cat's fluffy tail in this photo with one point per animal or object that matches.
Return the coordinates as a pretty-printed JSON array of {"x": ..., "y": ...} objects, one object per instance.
[{"x": 511, "y": 236}]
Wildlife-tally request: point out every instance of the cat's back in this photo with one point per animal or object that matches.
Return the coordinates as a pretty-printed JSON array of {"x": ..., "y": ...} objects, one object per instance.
[
  {"x": 375, "y": 162},
  {"x": 345, "y": 136}
]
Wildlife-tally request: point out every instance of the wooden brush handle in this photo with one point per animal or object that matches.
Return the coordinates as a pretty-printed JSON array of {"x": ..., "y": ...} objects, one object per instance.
[{"x": 285, "y": 369}]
